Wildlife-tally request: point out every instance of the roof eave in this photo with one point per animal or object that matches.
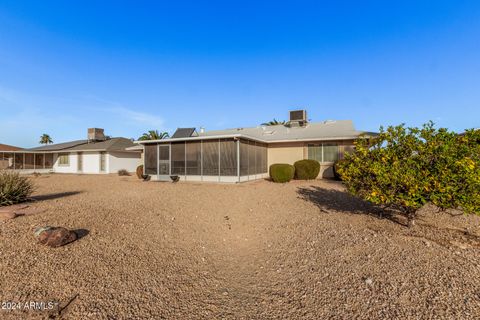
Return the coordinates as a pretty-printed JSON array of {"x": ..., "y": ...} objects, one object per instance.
[{"x": 353, "y": 137}]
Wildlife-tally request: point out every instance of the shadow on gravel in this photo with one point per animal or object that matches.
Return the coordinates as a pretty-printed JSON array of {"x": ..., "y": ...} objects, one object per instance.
[
  {"x": 330, "y": 199},
  {"x": 81, "y": 233},
  {"x": 54, "y": 195}
]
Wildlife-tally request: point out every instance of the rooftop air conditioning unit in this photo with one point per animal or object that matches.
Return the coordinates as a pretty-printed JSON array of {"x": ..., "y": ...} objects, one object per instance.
[{"x": 298, "y": 118}]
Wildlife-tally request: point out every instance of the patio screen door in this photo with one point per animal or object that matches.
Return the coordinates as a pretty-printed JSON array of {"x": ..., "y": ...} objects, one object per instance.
[{"x": 164, "y": 160}]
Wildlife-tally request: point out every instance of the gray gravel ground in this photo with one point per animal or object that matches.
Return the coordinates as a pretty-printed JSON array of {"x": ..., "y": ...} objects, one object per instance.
[{"x": 303, "y": 250}]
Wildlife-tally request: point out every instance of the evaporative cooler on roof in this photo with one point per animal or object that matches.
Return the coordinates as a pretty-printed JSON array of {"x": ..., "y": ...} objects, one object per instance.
[{"x": 298, "y": 118}]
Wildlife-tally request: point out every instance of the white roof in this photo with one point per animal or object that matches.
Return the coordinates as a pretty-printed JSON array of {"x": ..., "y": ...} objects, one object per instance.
[
  {"x": 313, "y": 131},
  {"x": 326, "y": 130}
]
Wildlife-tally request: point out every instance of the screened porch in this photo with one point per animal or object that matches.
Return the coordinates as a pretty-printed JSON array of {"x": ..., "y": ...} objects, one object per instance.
[
  {"x": 216, "y": 160},
  {"x": 26, "y": 161}
]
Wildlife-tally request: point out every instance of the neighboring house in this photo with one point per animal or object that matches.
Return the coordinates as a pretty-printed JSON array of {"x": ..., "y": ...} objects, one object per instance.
[
  {"x": 243, "y": 154},
  {"x": 96, "y": 155},
  {"x": 6, "y": 147}
]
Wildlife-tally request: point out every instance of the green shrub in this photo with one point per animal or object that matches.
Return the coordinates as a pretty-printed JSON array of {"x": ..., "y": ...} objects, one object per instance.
[
  {"x": 306, "y": 169},
  {"x": 123, "y": 172},
  {"x": 139, "y": 172},
  {"x": 405, "y": 168},
  {"x": 282, "y": 172},
  {"x": 336, "y": 166},
  {"x": 14, "y": 188}
]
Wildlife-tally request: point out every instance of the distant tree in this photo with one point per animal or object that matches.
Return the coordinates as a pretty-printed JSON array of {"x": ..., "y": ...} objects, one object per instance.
[
  {"x": 405, "y": 168},
  {"x": 154, "y": 135},
  {"x": 45, "y": 139},
  {"x": 274, "y": 122}
]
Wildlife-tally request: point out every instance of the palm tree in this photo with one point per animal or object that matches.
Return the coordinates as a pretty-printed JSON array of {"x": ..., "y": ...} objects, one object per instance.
[
  {"x": 274, "y": 122},
  {"x": 154, "y": 135},
  {"x": 45, "y": 139}
]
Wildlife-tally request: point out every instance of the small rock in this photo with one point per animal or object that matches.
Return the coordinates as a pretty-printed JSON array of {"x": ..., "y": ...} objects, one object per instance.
[
  {"x": 55, "y": 236},
  {"x": 368, "y": 281}
]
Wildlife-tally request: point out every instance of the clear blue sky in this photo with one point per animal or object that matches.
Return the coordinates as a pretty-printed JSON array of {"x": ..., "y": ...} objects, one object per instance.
[{"x": 133, "y": 66}]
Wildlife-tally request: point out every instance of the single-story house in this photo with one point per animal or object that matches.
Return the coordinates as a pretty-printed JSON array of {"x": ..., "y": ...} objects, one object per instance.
[
  {"x": 97, "y": 154},
  {"x": 243, "y": 154}
]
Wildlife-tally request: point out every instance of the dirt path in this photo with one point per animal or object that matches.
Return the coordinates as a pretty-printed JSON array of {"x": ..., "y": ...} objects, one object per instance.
[{"x": 303, "y": 250}]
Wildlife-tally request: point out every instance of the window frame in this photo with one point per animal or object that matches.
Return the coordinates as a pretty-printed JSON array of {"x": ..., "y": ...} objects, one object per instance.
[
  {"x": 62, "y": 163},
  {"x": 322, "y": 150}
]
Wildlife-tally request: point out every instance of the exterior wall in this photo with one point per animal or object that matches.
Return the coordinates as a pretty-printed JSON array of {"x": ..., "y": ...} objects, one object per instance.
[
  {"x": 285, "y": 153},
  {"x": 91, "y": 163},
  {"x": 294, "y": 151},
  {"x": 123, "y": 160},
  {"x": 70, "y": 168}
]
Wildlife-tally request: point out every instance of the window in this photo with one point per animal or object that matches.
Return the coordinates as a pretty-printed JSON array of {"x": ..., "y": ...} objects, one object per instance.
[
  {"x": 29, "y": 159},
  {"x": 63, "y": 159},
  {"x": 261, "y": 161},
  {"x": 194, "y": 158},
  {"x": 252, "y": 159},
  {"x": 210, "y": 158},
  {"x": 150, "y": 158},
  {"x": 244, "y": 157},
  {"x": 228, "y": 157},
  {"x": 330, "y": 152},
  {"x": 48, "y": 160},
  {"x": 39, "y": 161},
  {"x": 178, "y": 158},
  {"x": 323, "y": 152},
  {"x": 315, "y": 152},
  {"x": 18, "y": 161}
]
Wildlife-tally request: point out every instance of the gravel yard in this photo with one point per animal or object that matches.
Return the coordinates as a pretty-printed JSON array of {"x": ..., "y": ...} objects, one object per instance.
[{"x": 258, "y": 250}]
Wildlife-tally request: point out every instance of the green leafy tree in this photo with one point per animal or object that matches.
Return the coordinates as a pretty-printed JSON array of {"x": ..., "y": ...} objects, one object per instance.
[
  {"x": 154, "y": 135},
  {"x": 45, "y": 139},
  {"x": 274, "y": 122},
  {"x": 405, "y": 168}
]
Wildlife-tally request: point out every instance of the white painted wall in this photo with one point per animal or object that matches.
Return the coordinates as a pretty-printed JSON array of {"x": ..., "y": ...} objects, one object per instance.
[
  {"x": 91, "y": 163},
  {"x": 70, "y": 168},
  {"x": 123, "y": 160}
]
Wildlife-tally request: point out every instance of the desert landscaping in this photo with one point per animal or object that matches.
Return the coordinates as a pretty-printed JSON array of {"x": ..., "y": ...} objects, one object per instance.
[{"x": 257, "y": 250}]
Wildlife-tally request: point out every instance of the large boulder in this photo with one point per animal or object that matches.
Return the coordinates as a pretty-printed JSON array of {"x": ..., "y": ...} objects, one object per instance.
[{"x": 55, "y": 236}]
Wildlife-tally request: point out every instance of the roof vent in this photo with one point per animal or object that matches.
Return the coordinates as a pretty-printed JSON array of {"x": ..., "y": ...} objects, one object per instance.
[
  {"x": 298, "y": 118},
  {"x": 96, "y": 134}
]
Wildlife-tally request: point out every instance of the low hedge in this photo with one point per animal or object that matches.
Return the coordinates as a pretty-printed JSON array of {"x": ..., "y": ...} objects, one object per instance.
[
  {"x": 306, "y": 169},
  {"x": 282, "y": 172}
]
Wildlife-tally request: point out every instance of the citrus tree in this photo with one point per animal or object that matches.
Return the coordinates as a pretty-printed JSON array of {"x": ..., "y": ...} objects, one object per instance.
[{"x": 405, "y": 168}]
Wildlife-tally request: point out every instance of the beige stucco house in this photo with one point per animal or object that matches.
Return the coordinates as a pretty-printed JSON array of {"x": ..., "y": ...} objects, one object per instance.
[{"x": 243, "y": 154}]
